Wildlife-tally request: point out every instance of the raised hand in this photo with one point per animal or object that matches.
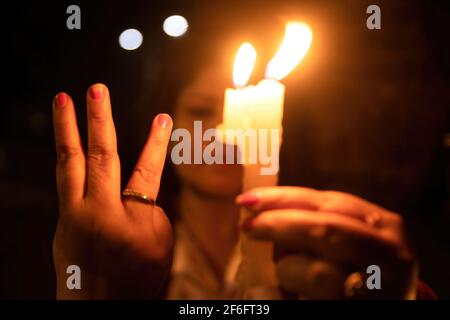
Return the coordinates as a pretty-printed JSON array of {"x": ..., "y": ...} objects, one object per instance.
[{"x": 122, "y": 245}]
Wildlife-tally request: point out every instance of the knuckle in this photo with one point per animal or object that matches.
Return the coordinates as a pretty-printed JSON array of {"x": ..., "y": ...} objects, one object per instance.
[
  {"x": 101, "y": 154},
  {"x": 146, "y": 173},
  {"x": 158, "y": 141},
  {"x": 332, "y": 200},
  {"x": 337, "y": 201},
  {"x": 326, "y": 234},
  {"x": 65, "y": 153},
  {"x": 397, "y": 219},
  {"x": 98, "y": 116},
  {"x": 61, "y": 122}
]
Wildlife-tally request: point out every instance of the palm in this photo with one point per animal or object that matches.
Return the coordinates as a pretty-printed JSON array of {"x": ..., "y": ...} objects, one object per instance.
[{"x": 122, "y": 247}]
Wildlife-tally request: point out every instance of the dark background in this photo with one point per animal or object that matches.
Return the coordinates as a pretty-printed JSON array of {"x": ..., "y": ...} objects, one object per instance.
[{"x": 367, "y": 112}]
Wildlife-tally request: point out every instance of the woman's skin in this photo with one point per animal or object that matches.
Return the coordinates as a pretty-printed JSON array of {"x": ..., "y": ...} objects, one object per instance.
[
  {"x": 207, "y": 198},
  {"x": 330, "y": 235},
  {"x": 124, "y": 247},
  {"x": 206, "y": 201}
]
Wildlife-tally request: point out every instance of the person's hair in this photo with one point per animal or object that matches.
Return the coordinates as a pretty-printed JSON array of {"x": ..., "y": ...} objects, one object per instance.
[
  {"x": 174, "y": 65},
  {"x": 177, "y": 63}
]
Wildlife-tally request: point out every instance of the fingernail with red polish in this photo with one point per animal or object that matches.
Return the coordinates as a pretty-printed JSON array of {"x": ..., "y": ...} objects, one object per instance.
[
  {"x": 61, "y": 100},
  {"x": 247, "y": 199},
  {"x": 96, "y": 92},
  {"x": 163, "y": 120}
]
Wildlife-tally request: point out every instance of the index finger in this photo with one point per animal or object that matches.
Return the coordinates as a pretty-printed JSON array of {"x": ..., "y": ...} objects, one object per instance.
[
  {"x": 286, "y": 197},
  {"x": 281, "y": 197},
  {"x": 146, "y": 176}
]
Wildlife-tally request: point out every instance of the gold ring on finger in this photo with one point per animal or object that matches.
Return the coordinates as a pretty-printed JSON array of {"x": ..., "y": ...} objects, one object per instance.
[{"x": 139, "y": 196}]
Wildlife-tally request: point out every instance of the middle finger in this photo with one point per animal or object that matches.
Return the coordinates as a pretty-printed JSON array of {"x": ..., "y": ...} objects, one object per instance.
[
  {"x": 329, "y": 235},
  {"x": 103, "y": 161}
]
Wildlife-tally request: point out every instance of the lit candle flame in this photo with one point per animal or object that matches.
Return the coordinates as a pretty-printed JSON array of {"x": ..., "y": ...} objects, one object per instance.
[
  {"x": 295, "y": 45},
  {"x": 243, "y": 64}
]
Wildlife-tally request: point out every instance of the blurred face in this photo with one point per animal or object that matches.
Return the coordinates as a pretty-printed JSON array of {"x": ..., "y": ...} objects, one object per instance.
[{"x": 202, "y": 100}]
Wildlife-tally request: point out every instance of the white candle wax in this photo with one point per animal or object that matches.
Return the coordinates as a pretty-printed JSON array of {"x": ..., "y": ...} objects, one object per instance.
[{"x": 256, "y": 107}]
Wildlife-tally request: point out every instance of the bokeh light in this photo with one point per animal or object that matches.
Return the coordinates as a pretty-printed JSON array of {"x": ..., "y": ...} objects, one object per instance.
[
  {"x": 130, "y": 39},
  {"x": 175, "y": 26}
]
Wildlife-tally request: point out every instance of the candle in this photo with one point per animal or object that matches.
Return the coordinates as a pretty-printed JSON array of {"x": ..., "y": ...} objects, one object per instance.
[{"x": 260, "y": 108}]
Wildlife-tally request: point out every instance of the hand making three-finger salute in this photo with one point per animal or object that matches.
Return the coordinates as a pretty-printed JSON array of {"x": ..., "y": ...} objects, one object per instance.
[{"x": 121, "y": 242}]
